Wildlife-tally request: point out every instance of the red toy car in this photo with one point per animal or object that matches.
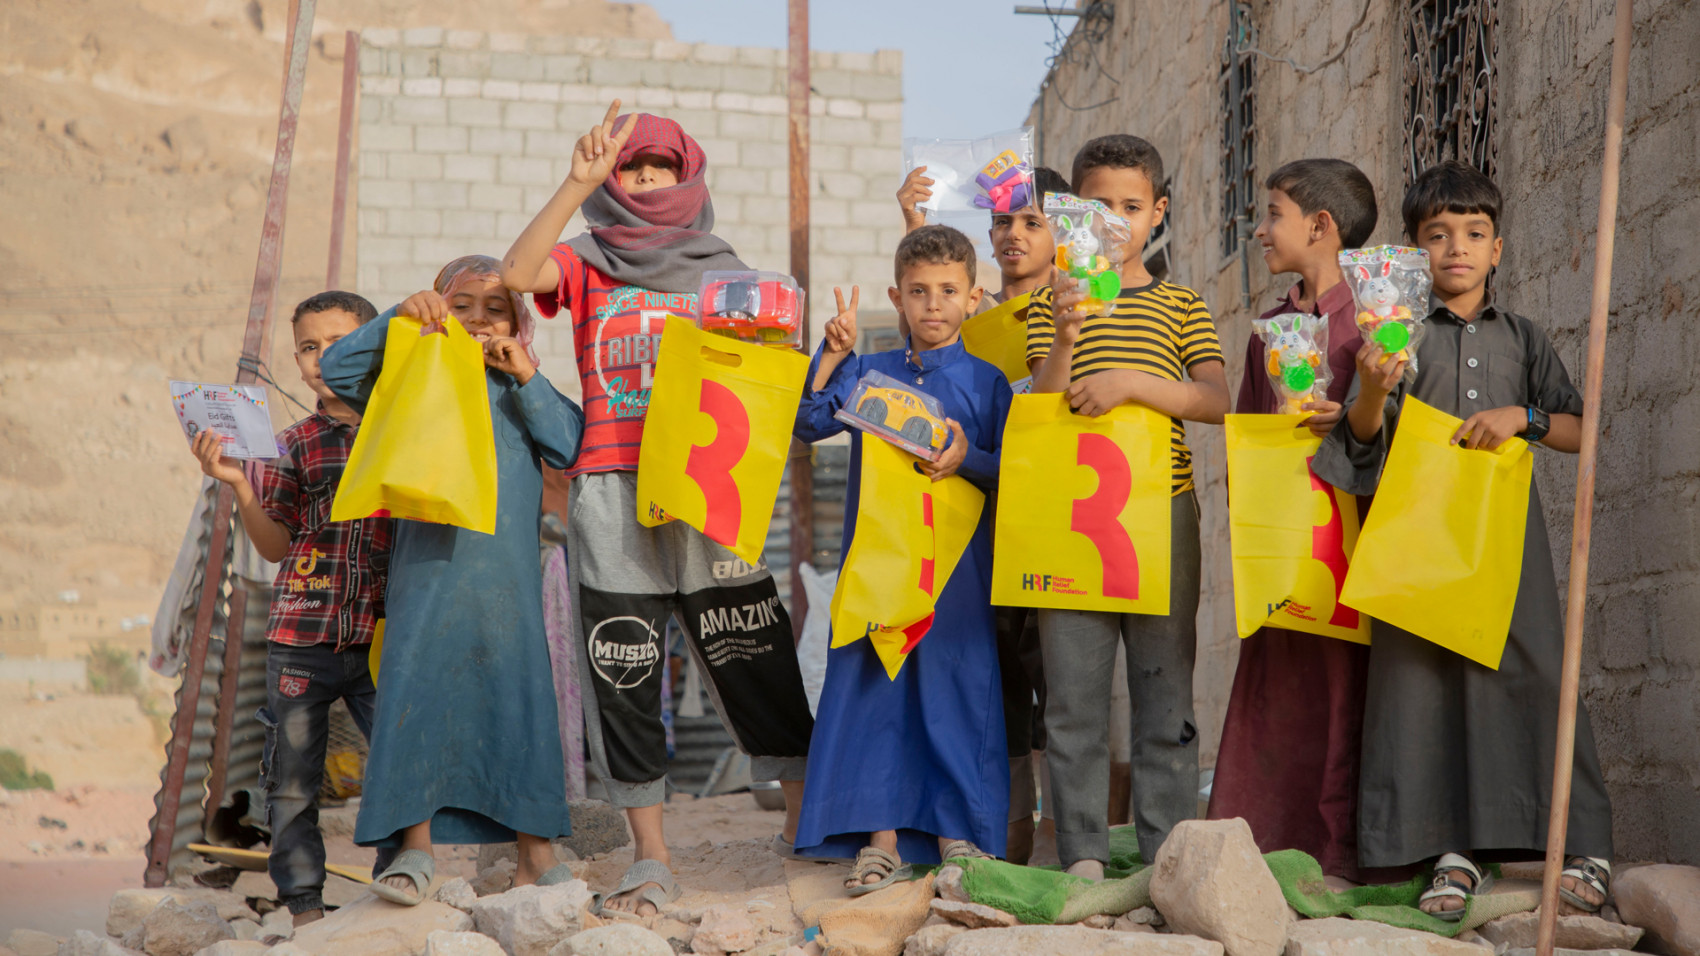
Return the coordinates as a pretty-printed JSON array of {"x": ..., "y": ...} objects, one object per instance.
[{"x": 761, "y": 307}]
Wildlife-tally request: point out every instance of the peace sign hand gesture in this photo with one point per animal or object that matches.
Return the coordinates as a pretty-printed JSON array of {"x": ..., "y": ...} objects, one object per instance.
[{"x": 597, "y": 151}]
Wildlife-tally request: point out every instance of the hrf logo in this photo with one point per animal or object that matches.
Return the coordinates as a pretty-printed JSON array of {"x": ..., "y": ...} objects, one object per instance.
[
  {"x": 1035, "y": 582},
  {"x": 1281, "y": 606}
]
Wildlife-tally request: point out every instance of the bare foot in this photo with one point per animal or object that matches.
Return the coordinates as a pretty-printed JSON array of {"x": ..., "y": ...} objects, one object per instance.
[
  {"x": 1595, "y": 898},
  {"x": 632, "y": 901},
  {"x": 1087, "y": 870},
  {"x": 535, "y": 859}
]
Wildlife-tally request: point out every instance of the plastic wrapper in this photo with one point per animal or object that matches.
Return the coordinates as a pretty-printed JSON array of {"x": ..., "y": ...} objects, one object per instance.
[
  {"x": 1390, "y": 285},
  {"x": 1297, "y": 362},
  {"x": 764, "y": 308},
  {"x": 1089, "y": 240},
  {"x": 974, "y": 175},
  {"x": 882, "y": 406}
]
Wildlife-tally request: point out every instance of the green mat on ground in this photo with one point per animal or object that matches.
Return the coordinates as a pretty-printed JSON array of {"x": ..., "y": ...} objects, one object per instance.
[{"x": 1045, "y": 895}]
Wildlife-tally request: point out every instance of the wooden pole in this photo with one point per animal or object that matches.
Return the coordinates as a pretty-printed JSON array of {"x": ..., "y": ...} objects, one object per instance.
[
  {"x": 1582, "y": 526},
  {"x": 256, "y": 336},
  {"x": 802, "y": 478},
  {"x": 344, "y": 146}
]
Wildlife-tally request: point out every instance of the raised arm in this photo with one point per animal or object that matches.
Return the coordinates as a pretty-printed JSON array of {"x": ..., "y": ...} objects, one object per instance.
[
  {"x": 527, "y": 267},
  {"x": 351, "y": 364}
]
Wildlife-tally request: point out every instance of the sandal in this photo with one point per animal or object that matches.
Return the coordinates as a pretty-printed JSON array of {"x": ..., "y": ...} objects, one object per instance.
[
  {"x": 559, "y": 873},
  {"x": 1591, "y": 872},
  {"x": 873, "y": 861},
  {"x": 1445, "y": 887},
  {"x": 963, "y": 850},
  {"x": 665, "y": 890},
  {"x": 416, "y": 865}
]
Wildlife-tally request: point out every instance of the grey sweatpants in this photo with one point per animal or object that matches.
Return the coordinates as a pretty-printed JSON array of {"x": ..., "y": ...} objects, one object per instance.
[
  {"x": 627, "y": 580},
  {"x": 1080, "y": 660}
]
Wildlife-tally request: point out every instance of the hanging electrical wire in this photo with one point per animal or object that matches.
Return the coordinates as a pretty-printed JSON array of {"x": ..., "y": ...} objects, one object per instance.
[
  {"x": 1078, "y": 46},
  {"x": 1345, "y": 44}
]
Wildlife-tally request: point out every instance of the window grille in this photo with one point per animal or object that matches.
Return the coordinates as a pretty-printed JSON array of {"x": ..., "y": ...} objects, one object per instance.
[
  {"x": 1451, "y": 101},
  {"x": 1239, "y": 131}
]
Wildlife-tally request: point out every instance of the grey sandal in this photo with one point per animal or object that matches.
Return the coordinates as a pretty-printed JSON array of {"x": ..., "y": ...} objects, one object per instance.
[
  {"x": 963, "y": 850},
  {"x": 416, "y": 865},
  {"x": 559, "y": 873},
  {"x": 873, "y": 861},
  {"x": 665, "y": 890}
]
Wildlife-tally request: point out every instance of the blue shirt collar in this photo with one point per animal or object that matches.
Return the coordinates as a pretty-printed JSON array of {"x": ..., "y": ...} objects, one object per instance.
[{"x": 932, "y": 358}]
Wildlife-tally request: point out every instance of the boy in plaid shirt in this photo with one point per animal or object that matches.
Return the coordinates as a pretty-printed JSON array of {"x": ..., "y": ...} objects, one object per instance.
[{"x": 327, "y": 600}]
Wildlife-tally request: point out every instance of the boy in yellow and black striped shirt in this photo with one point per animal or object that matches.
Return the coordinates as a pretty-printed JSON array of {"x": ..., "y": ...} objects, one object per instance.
[{"x": 1157, "y": 347}]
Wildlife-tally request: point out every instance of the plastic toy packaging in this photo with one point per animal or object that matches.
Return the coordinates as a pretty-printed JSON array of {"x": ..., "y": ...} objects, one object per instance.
[
  {"x": 992, "y": 173},
  {"x": 1089, "y": 241},
  {"x": 884, "y": 407},
  {"x": 1298, "y": 358},
  {"x": 1391, "y": 286},
  {"x": 763, "y": 308}
]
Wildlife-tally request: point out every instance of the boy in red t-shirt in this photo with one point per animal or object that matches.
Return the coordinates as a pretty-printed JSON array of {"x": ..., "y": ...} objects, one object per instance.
[{"x": 640, "y": 181}]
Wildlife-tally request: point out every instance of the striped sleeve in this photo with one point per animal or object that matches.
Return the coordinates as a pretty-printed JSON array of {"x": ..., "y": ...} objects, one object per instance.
[
  {"x": 1198, "y": 339},
  {"x": 1041, "y": 326}
]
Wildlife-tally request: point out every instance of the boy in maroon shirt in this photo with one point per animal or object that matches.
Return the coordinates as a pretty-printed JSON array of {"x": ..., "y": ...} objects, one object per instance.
[{"x": 1289, "y": 756}]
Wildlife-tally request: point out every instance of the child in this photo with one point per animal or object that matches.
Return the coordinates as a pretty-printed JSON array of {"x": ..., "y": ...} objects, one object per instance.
[
  {"x": 1025, "y": 251},
  {"x": 1300, "y": 695},
  {"x": 328, "y": 597},
  {"x": 1156, "y": 335},
  {"x": 1457, "y": 757},
  {"x": 640, "y": 181},
  {"x": 912, "y": 767},
  {"x": 468, "y": 743}
]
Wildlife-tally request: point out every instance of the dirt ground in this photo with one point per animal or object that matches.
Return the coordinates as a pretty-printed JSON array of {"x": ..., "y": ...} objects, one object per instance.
[{"x": 60, "y": 879}]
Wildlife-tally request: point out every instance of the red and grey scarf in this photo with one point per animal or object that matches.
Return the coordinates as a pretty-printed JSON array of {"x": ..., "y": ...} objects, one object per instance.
[{"x": 660, "y": 239}]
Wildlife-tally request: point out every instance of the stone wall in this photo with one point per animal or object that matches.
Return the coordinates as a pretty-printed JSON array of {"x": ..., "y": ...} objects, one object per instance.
[
  {"x": 463, "y": 136},
  {"x": 1159, "y": 76}
]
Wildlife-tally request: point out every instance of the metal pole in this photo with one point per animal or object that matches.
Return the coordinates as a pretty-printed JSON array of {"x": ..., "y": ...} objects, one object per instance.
[
  {"x": 228, "y": 681},
  {"x": 802, "y": 479},
  {"x": 344, "y": 146},
  {"x": 254, "y": 339},
  {"x": 1582, "y": 527}
]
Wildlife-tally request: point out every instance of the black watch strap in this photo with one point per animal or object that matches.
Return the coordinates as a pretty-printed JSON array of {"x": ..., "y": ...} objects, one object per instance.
[{"x": 1539, "y": 425}]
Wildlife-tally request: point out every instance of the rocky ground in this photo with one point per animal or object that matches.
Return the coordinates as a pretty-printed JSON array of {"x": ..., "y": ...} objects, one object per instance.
[{"x": 1210, "y": 893}]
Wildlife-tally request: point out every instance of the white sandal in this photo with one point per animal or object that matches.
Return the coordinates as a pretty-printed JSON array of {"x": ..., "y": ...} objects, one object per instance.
[
  {"x": 1445, "y": 887},
  {"x": 1591, "y": 872}
]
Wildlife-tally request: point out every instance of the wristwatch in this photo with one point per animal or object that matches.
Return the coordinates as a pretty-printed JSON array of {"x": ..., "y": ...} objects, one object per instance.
[{"x": 1539, "y": 425}]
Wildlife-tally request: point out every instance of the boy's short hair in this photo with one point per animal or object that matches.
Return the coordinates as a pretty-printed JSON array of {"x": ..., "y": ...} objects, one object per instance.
[
  {"x": 1450, "y": 187},
  {"x": 1334, "y": 185},
  {"x": 1048, "y": 180},
  {"x": 333, "y": 300},
  {"x": 936, "y": 245},
  {"x": 1121, "y": 151}
]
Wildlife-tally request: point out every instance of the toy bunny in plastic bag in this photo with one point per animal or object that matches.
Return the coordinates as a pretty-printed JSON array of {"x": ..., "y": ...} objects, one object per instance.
[
  {"x": 1298, "y": 347},
  {"x": 1391, "y": 286},
  {"x": 1089, "y": 241}
]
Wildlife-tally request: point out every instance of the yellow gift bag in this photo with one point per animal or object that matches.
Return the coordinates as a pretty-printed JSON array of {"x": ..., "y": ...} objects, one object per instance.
[
  {"x": 910, "y": 533},
  {"x": 425, "y": 449},
  {"x": 999, "y": 336},
  {"x": 1292, "y": 533},
  {"x": 717, "y": 435},
  {"x": 1441, "y": 552},
  {"x": 1083, "y": 509}
]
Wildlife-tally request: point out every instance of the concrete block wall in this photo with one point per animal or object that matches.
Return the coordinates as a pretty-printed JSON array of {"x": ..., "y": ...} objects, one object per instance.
[
  {"x": 1641, "y": 676},
  {"x": 463, "y": 136}
]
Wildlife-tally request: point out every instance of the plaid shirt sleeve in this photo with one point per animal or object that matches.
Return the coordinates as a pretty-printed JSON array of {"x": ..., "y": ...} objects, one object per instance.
[{"x": 280, "y": 492}]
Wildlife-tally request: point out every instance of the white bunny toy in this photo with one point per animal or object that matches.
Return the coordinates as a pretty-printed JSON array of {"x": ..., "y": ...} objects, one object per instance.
[
  {"x": 1378, "y": 294},
  {"x": 1295, "y": 343},
  {"x": 1083, "y": 244}
]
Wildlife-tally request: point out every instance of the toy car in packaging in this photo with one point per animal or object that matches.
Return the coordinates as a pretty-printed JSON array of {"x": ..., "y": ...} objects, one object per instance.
[
  {"x": 1298, "y": 358},
  {"x": 882, "y": 406},
  {"x": 1390, "y": 285},
  {"x": 1089, "y": 241},
  {"x": 765, "y": 308}
]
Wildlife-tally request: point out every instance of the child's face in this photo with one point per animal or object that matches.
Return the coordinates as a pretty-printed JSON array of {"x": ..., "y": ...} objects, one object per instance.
[
  {"x": 1462, "y": 249},
  {"x": 1288, "y": 235},
  {"x": 1023, "y": 243},
  {"x": 483, "y": 308},
  {"x": 934, "y": 298},
  {"x": 314, "y": 332},
  {"x": 1131, "y": 195},
  {"x": 647, "y": 171}
]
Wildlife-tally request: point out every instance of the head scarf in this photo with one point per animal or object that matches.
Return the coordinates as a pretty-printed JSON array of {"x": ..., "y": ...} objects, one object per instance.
[
  {"x": 466, "y": 269},
  {"x": 660, "y": 239}
]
